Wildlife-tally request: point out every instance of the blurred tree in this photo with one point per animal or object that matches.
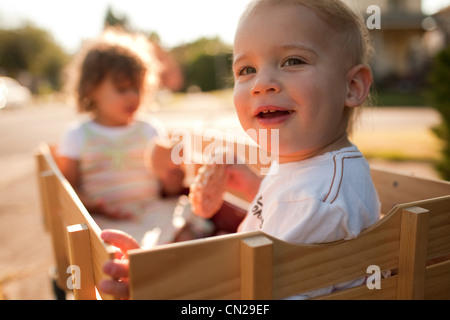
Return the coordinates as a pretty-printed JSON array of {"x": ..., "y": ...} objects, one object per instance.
[
  {"x": 32, "y": 51},
  {"x": 114, "y": 21},
  {"x": 206, "y": 63},
  {"x": 440, "y": 100}
]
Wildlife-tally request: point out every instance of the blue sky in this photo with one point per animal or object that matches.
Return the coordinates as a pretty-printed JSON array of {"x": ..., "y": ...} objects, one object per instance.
[{"x": 176, "y": 21}]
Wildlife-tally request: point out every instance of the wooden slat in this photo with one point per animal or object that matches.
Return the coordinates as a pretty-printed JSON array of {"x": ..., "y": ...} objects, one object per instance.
[
  {"x": 388, "y": 291},
  {"x": 439, "y": 224},
  {"x": 73, "y": 212},
  {"x": 437, "y": 285},
  {"x": 412, "y": 253},
  {"x": 56, "y": 228},
  {"x": 256, "y": 268},
  {"x": 191, "y": 270},
  {"x": 159, "y": 274},
  {"x": 41, "y": 171},
  {"x": 439, "y": 228},
  {"x": 198, "y": 269},
  {"x": 65, "y": 209},
  {"x": 81, "y": 262},
  {"x": 304, "y": 268},
  {"x": 395, "y": 189}
]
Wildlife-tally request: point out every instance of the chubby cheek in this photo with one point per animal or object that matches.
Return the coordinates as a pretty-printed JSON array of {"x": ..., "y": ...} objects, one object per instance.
[{"x": 243, "y": 108}]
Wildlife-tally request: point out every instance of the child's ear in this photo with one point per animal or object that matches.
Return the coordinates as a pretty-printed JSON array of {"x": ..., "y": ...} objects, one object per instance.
[{"x": 359, "y": 80}]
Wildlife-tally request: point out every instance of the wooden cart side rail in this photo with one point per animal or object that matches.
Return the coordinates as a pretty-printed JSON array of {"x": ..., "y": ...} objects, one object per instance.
[
  {"x": 414, "y": 232},
  {"x": 214, "y": 268},
  {"x": 437, "y": 281},
  {"x": 395, "y": 189},
  {"x": 63, "y": 208}
]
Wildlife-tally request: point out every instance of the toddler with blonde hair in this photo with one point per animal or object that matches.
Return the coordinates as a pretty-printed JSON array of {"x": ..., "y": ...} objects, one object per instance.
[{"x": 300, "y": 68}]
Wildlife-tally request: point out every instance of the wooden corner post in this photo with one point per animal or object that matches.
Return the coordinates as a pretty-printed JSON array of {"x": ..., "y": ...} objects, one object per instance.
[
  {"x": 412, "y": 254},
  {"x": 256, "y": 268},
  {"x": 83, "y": 284}
]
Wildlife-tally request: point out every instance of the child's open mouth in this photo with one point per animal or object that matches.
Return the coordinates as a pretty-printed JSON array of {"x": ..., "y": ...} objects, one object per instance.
[{"x": 272, "y": 115}]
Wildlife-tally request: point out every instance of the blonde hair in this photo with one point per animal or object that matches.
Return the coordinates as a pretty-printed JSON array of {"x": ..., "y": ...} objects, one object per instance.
[
  {"x": 338, "y": 16},
  {"x": 117, "y": 54},
  {"x": 350, "y": 25}
]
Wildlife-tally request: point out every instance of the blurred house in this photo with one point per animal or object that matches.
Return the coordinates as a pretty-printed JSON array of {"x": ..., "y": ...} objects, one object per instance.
[
  {"x": 401, "y": 58},
  {"x": 442, "y": 19}
]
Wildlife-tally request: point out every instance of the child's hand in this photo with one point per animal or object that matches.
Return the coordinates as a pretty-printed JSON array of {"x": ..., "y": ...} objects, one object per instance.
[
  {"x": 242, "y": 179},
  {"x": 172, "y": 181},
  {"x": 170, "y": 175},
  {"x": 100, "y": 207},
  {"x": 119, "y": 267}
]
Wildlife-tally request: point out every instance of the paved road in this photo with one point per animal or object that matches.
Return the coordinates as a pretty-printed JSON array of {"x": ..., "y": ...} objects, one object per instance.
[{"x": 25, "y": 253}]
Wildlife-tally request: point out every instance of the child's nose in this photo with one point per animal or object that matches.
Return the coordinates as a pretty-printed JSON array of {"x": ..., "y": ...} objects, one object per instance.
[{"x": 265, "y": 83}]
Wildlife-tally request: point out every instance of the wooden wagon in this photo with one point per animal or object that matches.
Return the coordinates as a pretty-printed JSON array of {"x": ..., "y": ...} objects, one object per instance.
[{"x": 412, "y": 240}]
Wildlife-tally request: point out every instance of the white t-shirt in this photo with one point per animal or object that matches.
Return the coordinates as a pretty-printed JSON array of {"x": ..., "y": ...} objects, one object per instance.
[{"x": 323, "y": 199}]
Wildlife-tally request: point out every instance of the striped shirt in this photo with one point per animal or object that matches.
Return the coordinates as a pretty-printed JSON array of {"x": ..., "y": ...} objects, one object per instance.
[{"x": 111, "y": 163}]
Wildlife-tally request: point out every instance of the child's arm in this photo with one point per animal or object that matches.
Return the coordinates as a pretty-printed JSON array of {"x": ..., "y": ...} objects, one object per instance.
[
  {"x": 242, "y": 179},
  {"x": 69, "y": 168},
  {"x": 159, "y": 160},
  {"x": 172, "y": 181}
]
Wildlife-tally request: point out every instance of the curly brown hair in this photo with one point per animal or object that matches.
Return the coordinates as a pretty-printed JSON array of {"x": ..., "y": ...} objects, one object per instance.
[{"x": 114, "y": 54}]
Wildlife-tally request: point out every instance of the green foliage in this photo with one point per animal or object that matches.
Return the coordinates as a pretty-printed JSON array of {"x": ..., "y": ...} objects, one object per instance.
[
  {"x": 113, "y": 20},
  {"x": 208, "y": 72},
  {"x": 390, "y": 98},
  {"x": 32, "y": 50},
  {"x": 206, "y": 63},
  {"x": 440, "y": 83},
  {"x": 440, "y": 100}
]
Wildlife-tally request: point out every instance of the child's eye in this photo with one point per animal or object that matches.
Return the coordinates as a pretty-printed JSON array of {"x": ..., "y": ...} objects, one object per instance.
[
  {"x": 246, "y": 70},
  {"x": 293, "y": 61}
]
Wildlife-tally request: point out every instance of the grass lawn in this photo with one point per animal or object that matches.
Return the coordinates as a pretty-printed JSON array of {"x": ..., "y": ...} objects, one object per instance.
[
  {"x": 397, "y": 98},
  {"x": 399, "y": 145}
]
